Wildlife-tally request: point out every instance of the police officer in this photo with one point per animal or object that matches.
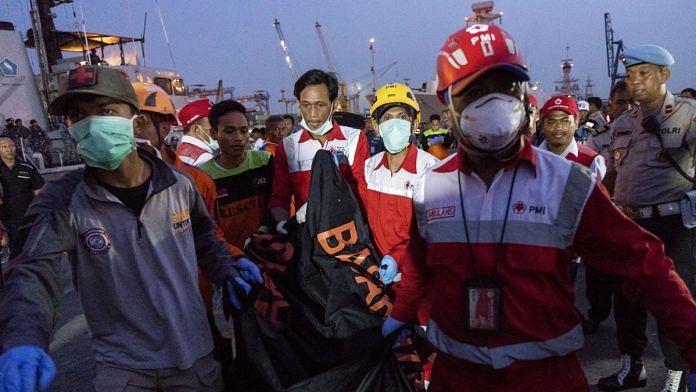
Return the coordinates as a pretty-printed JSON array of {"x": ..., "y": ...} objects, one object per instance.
[{"x": 652, "y": 156}]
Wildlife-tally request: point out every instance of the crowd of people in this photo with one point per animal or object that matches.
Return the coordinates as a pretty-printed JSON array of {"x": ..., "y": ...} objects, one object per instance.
[{"x": 478, "y": 228}]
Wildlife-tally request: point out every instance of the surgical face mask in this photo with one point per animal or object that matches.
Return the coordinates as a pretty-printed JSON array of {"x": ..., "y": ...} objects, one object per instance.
[
  {"x": 323, "y": 129},
  {"x": 491, "y": 122},
  {"x": 212, "y": 143},
  {"x": 144, "y": 143},
  {"x": 396, "y": 134},
  {"x": 104, "y": 141}
]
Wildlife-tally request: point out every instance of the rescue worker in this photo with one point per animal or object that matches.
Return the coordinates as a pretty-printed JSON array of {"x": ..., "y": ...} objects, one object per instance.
[
  {"x": 158, "y": 112},
  {"x": 197, "y": 145},
  {"x": 390, "y": 177},
  {"x": 316, "y": 93},
  {"x": 651, "y": 158},
  {"x": 134, "y": 266},
  {"x": 559, "y": 121},
  {"x": 559, "y": 116},
  {"x": 436, "y": 140},
  {"x": 242, "y": 177},
  {"x": 502, "y": 220}
]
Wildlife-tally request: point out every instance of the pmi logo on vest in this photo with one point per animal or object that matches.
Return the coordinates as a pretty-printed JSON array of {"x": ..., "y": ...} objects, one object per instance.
[{"x": 521, "y": 208}]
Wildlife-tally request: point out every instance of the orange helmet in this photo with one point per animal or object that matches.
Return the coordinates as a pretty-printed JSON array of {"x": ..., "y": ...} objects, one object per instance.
[
  {"x": 470, "y": 52},
  {"x": 152, "y": 98}
]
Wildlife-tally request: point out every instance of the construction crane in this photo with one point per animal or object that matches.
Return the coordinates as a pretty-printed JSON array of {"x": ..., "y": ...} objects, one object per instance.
[
  {"x": 325, "y": 49},
  {"x": 286, "y": 50},
  {"x": 343, "y": 101},
  {"x": 613, "y": 55},
  {"x": 357, "y": 89},
  {"x": 220, "y": 92}
]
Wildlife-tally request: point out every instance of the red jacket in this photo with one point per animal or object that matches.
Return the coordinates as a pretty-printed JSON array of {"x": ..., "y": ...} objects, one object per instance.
[
  {"x": 293, "y": 163},
  {"x": 554, "y": 210},
  {"x": 389, "y": 207}
]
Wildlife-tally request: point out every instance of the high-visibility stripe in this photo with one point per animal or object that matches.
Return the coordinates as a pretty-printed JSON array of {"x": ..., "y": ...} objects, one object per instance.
[
  {"x": 517, "y": 232},
  {"x": 577, "y": 190},
  {"x": 503, "y": 356}
]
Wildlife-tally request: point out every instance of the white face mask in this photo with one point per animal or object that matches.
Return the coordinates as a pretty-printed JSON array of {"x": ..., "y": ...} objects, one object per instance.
[
  {"x": 396, "y": 134},
  {"x": 323, "y": 129},
  {"x": 144, "y": 143},
  {"x": 492, "y": 121},
  {"x": 212, "y": 143}
]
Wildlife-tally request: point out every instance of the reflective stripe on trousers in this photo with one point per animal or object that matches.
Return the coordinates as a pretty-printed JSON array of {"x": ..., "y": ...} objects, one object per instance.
[{"x": 503, "y": 356}]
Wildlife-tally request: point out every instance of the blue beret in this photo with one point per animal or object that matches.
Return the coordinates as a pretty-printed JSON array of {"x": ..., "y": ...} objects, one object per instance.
[{"x": 650, "y": 54}]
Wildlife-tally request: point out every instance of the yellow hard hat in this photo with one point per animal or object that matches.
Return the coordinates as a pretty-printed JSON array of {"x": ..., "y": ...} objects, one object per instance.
[
  {"x": 152, "y": 98},
  {"x": 394, "y": 94}
]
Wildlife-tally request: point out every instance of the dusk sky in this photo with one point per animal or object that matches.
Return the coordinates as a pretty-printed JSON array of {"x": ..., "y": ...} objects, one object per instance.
[{"x": 235, "y": 41}]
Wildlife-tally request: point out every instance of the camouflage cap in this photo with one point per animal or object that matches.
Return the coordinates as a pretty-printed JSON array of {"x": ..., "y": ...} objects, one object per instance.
[{"x": 93, "y": 80}]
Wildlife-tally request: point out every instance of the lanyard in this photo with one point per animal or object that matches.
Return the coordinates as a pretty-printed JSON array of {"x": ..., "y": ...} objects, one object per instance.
[{"x": 466, "y": 227}]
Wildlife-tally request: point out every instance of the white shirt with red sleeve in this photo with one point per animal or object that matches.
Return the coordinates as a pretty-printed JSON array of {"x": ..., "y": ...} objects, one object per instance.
[
  {"x": 389, "y": 207},
  {"x": 579, "y": 153},
  {"x": 193, "y": 151},
  {"x": 294, "y": 157}
]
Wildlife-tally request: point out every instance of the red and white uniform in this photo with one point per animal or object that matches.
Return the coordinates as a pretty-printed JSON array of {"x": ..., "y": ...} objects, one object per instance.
[
  {"x": 583, "y": 155},
  {"x": 193, "y": 151},
  {"x": 555, "y": 210},
  {"x": 389, "y": 206},
  {"x": 294, "y": 157}
]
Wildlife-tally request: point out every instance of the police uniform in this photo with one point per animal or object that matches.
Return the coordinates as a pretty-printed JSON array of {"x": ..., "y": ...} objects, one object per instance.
[
  {"x": 18, "y": 183},
  {"x": 600, "y": 142},
  {"x": 648, "y": 188}
]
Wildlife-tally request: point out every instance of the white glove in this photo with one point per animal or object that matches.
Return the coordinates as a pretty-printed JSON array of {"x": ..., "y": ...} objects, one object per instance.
[{"x": 301, "y": 214}]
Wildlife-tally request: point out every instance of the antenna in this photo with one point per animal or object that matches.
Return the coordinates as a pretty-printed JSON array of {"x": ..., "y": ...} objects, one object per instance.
[
  {"x": 166, "y": 36},
  {"x": 142, "y": 40}
]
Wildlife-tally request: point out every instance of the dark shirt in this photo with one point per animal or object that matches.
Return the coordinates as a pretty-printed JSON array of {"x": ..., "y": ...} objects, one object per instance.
[
  {"x": 39, "y": 140},
  {"x": 375, "y": 142},
  {"x": 18, "y": 185},
  {"x": 133, "y": 198}
]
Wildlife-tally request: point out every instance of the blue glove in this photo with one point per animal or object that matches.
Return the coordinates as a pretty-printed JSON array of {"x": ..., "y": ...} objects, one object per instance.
[
  {"x": 388, "y": 269},
  {"x": 692, "y": 382},
  {"x": 235, "y": 289},
  {"x": 249, "y": 271},
  {"x": 390, "y": 325},
  {"x": 23, "y": 367}
]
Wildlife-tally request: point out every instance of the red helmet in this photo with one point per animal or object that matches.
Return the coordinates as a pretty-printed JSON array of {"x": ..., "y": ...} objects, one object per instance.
[
  {"x": 472, "y": 51},
  {"x": 193, "y": 111}
]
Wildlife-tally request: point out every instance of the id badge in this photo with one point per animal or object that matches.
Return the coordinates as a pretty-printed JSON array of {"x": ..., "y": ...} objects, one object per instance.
[{"x": 484, "y": 305}]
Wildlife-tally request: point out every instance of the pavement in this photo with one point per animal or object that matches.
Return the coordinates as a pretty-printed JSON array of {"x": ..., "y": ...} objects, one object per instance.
[{"x": 70, "y": 346}]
